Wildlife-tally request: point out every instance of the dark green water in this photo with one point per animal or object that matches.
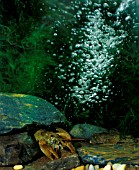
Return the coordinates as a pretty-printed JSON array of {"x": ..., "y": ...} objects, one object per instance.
[{"x": 82, "y": 56}]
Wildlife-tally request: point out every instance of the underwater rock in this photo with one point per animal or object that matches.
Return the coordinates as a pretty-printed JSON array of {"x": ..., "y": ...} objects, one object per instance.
[
  {"x": 101, "y": 154},
  {"x": 86, "y": 131},
  {"x": 17, "y": 148},
  {"x": 18, "y": 111},
  {"x": 66, "y": 162},
  {"x": 112, "y": 138},
  {"x": 105, "y": 138},
  {"x": 21, "y": 116}
]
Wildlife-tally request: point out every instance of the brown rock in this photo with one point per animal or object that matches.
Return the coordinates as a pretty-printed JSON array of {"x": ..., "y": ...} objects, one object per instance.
[
  {"x": 112, "y": 138},
  {"x": 66, "y": 162},
  {"x": 105, "y": 138},
  {"x": 17, "y": 148}
]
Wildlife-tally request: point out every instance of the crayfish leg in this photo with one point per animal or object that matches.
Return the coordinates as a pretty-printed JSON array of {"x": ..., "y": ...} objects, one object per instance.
[{"x": 45, "y": 149}]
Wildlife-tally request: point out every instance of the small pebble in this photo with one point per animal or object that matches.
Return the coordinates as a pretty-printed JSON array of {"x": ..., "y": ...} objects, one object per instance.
[
  {"x": 87, "y": 167},
  {"x": 18, "y": 167},
  {"x": 96, "y": 167},
  {"x": 119, "y": 166},
  {"x": 91, "y": 167},
  {"x": 109, "y": 163},
  {"x": 107, "y": 167}
]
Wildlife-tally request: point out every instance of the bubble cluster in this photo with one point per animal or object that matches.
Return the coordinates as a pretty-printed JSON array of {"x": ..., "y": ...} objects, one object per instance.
[{"x": 92, "y": 59}]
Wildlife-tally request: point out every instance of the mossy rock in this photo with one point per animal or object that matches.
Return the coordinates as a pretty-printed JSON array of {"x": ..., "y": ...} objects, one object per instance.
[
  {"x": 20, "y": 117},
  {"x": 19, "y": 110}
]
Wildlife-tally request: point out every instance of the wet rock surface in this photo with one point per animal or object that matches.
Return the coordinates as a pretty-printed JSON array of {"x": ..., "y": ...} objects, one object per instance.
[
  {"x": 103, "y": 153},
  {"x": 21, "y": 116},
  {"x": 86, "y": 131},
  {"x": 100, "y": 154},
  {"x": 66, "y": 162},
  {"x": 19, "y": 110},
  {"x": 17, "y": 148},
  {"x": 100, "y": 149}
]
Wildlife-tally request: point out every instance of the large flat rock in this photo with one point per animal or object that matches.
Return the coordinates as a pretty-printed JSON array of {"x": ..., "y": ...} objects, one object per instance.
[
  {"x": 127, "y": 153},
  {"x": 20, "y": 110}
]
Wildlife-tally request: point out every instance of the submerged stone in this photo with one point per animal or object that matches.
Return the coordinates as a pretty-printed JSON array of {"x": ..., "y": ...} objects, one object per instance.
[
  {"x": 20, "y": 110},
  {"x": 66, "y": 162},
  {"x": 101, "y": 154},
  {"x": 20, "y": 117},
  {"x": 86, "y": 131},
  {"x": 17, "y": 148}
]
